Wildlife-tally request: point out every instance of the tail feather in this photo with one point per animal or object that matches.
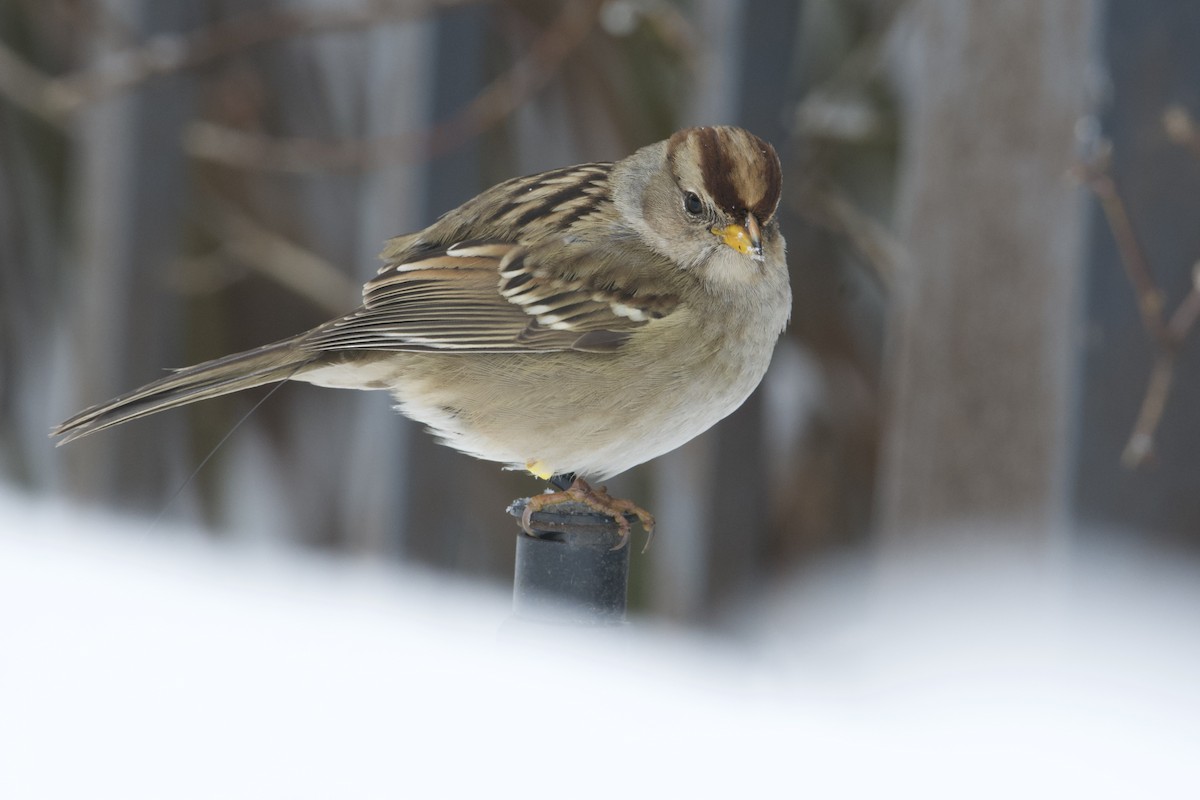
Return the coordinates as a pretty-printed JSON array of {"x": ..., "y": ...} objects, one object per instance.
[{"x": 268, "y": 364}]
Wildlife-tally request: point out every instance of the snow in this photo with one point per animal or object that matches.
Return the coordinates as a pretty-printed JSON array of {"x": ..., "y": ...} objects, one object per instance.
[{"x": 163, "y": 664}]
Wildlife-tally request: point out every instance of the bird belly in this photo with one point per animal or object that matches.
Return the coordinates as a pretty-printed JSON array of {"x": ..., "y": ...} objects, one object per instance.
[{"x": 528, "y": 413}]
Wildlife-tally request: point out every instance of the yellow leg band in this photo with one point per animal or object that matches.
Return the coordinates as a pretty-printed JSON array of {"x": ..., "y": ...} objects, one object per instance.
[{"x": 539, "y": 470}]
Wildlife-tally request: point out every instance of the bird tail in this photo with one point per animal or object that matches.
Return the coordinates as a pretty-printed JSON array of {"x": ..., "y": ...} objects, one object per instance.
[{"x": 268, "y": 364}]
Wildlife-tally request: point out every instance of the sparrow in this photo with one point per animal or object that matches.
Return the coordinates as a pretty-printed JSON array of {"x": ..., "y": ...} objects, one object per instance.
[{"x": 573, "y": 323}]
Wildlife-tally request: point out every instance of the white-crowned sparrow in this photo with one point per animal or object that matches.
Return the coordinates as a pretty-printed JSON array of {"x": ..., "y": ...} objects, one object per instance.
[{"x": 576, "y": 322}]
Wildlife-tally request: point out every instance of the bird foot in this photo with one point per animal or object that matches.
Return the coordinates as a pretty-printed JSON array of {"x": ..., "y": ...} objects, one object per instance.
[{"x": 600, "y": 501}]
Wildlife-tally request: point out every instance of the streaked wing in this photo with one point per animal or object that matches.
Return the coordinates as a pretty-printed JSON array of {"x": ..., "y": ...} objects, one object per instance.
[{"x": 488, "y": 296}]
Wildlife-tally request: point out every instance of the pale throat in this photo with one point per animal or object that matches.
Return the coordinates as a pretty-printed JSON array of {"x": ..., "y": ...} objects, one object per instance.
[{"x": 726, "y": 268}]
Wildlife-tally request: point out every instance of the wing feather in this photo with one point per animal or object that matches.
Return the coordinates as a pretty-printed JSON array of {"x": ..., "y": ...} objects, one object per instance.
[{"x": 495, "y": 296}]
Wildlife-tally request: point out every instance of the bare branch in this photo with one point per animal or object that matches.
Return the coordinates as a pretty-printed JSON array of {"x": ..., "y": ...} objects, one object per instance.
[
  {"x": 30, "y": 89},
  {"x": 831, "y": 209},
  {"x": 1181, "y": 128},
  {"x": 1185, "y": 315},
  {"x": 221, "y": 144},
  {"x": 1140, "y": 447},
  {"x": 294, "y": 267},
  {"x": 1095, "y": 174},
  {"x": 1167, "y": 335},
  {"x": 56, "y": 99}
]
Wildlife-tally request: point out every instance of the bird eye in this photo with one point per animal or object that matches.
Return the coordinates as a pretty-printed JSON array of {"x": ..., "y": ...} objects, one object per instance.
[{"x": 692, "y": 204}]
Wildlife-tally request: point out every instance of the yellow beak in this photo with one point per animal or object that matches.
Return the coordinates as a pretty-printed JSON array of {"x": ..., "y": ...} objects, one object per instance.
[{"x": 746, "y": 239}]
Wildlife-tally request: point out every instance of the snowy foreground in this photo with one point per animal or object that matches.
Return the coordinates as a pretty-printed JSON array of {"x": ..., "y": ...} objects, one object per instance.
[{"x": 166, "y": 666}]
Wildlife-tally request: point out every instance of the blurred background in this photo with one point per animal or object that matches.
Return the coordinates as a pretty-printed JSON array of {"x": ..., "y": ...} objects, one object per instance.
[
  {"x": 953, "y": 537},
  {"x": 990, "y": 210}
]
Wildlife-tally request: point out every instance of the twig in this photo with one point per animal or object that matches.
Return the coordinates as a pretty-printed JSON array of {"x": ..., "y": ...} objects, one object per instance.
[
  {"x": 1187, "y": 311},
  {"x": 1095, "y": 174},
  {"x": 1181, "y": 128},
  {"x": 30, "y": 89},
  {"x": 831, "y": 209},
  {"x": 1140, "y": 447},
  {"x": 270, "y": 254}
]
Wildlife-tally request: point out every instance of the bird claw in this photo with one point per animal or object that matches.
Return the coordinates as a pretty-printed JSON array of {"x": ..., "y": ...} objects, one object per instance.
[{"x": 598, "y": 500}]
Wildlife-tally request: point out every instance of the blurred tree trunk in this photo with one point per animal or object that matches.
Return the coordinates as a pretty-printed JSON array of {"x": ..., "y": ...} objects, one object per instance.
[
  {"x": 984, "y": 313},
  {"x": 375, "y": 503},
  {"x": 131, "y": 180}
]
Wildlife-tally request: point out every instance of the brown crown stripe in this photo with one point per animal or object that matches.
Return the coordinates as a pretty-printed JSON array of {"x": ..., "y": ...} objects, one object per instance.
[
  {"x": 735, "y": 192},
  {"x": 772, "y": 177},
  {"x": 717, "y": 170}
]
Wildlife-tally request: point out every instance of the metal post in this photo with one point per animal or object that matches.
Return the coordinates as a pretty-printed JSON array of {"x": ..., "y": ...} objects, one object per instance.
[{"x": 572, "y": 572}]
